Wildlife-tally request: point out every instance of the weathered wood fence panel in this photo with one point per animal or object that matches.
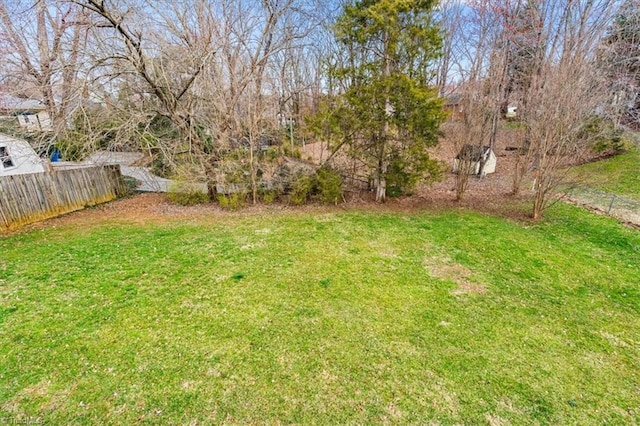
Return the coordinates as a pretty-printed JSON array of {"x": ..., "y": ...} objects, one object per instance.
[{"x": 37, "y": 196}]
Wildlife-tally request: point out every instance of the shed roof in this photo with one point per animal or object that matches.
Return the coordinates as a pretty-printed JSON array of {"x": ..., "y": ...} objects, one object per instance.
[{"x": 473, "y": 152}]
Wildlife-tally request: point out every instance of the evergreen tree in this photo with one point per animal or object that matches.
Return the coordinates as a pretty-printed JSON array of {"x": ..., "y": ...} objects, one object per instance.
[{"x": 388, "y": 113}]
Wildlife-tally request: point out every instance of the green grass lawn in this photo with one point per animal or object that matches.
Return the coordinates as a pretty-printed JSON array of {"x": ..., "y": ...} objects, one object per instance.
[
  {"x": 327, "y": 318},
  {"x": 619, "y": 174}
]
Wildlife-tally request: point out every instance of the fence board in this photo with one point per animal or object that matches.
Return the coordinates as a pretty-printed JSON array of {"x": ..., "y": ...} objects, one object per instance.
[{"x": 37, "y": 196}]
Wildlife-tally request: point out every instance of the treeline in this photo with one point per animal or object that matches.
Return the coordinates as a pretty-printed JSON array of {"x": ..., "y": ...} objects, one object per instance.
[{"x": 228, "y": 92}]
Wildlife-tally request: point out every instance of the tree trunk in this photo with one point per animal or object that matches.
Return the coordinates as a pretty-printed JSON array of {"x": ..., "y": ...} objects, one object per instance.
[
  {"x": 518, "y": 174},
  {"x": 381, "y": 182},
  {"x": 538, "y": 202},
  {"x": 522, "y": 162},
  {"x": 381, "y": 172},
  {"x": 462, "y": 178},
  {"x": 252, "y": 164},
  {"x": 210, "y": 173}
]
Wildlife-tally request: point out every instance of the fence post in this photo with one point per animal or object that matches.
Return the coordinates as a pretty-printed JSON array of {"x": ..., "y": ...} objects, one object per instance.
[{"x": 613, "y": 199}]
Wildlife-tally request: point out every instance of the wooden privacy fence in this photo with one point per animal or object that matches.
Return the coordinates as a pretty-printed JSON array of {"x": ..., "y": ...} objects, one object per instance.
[{"x": 37, "y": 196}]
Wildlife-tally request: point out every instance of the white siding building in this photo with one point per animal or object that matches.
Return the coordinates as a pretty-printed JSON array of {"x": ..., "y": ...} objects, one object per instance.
[
  {"x": 17, "y": 157},
  {"x": 470, "y": 158}
]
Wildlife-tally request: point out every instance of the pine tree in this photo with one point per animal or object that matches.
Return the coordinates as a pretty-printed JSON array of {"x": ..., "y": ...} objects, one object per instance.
[{"x": 389, "y": 113}]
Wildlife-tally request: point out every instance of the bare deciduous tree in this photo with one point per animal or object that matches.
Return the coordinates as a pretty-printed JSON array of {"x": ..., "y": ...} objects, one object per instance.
[
  {"x": 481, "y": 88},
  {"x": 540, "y": 55},
  {"x": 564, "y": 92},
  {"x": 42, "y": 45},
  {"x": 222, "y": 75}
]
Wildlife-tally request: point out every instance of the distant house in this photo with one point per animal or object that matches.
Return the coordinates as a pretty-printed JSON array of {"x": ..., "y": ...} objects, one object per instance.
[
  {"x": 512, "y": 111},
  {"x": 31, "y": 114},
  {"x": 454, "y": 106},
  {"x": 17, "y": 157},
  {"x": 471, "y": 157}
]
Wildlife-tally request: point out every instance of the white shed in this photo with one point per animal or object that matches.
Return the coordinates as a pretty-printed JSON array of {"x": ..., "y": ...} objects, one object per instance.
[
  {"x": 470, "y": 158},
  {"x": 32, "y": 114},
  {"x": 17, "y": 157},
  {"x": 35, "y": 121}
]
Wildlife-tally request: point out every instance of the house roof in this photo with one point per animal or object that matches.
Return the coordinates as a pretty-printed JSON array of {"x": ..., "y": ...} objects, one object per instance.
[
  {"x": 14, "y": 103},
  {"x": 453, "y": 99},
  {"x": 473, "y": 152}
]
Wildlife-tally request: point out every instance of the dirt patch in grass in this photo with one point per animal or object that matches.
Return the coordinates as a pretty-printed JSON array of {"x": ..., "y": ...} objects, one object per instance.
[
  {"x": 39, "y": 389},
  {"x": 446, "y": 269},
  {"x": 494, "y": 420},
  {"x": 140, "y": 209}
]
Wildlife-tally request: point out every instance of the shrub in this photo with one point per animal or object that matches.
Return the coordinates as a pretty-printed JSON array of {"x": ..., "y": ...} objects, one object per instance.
[
  {"x": 232, "y": 201},
  {"x": 405, "y": 172},
  {"x": 161, "y": 167},
  {"x": 603, "y": 136},
  {"x": 269, "y": 196},
  {"x": 302, "y": 187},
  {"x": 73, "y": 145},
  {"x": 289, "y": 152},
  {"x": 187, "y": 194},
  {"x": 399, "y": 181},
  {"x": 271, "y": 154},
  {"x": 614, "y": 143},
  {"x": 329, "y": 185}
]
